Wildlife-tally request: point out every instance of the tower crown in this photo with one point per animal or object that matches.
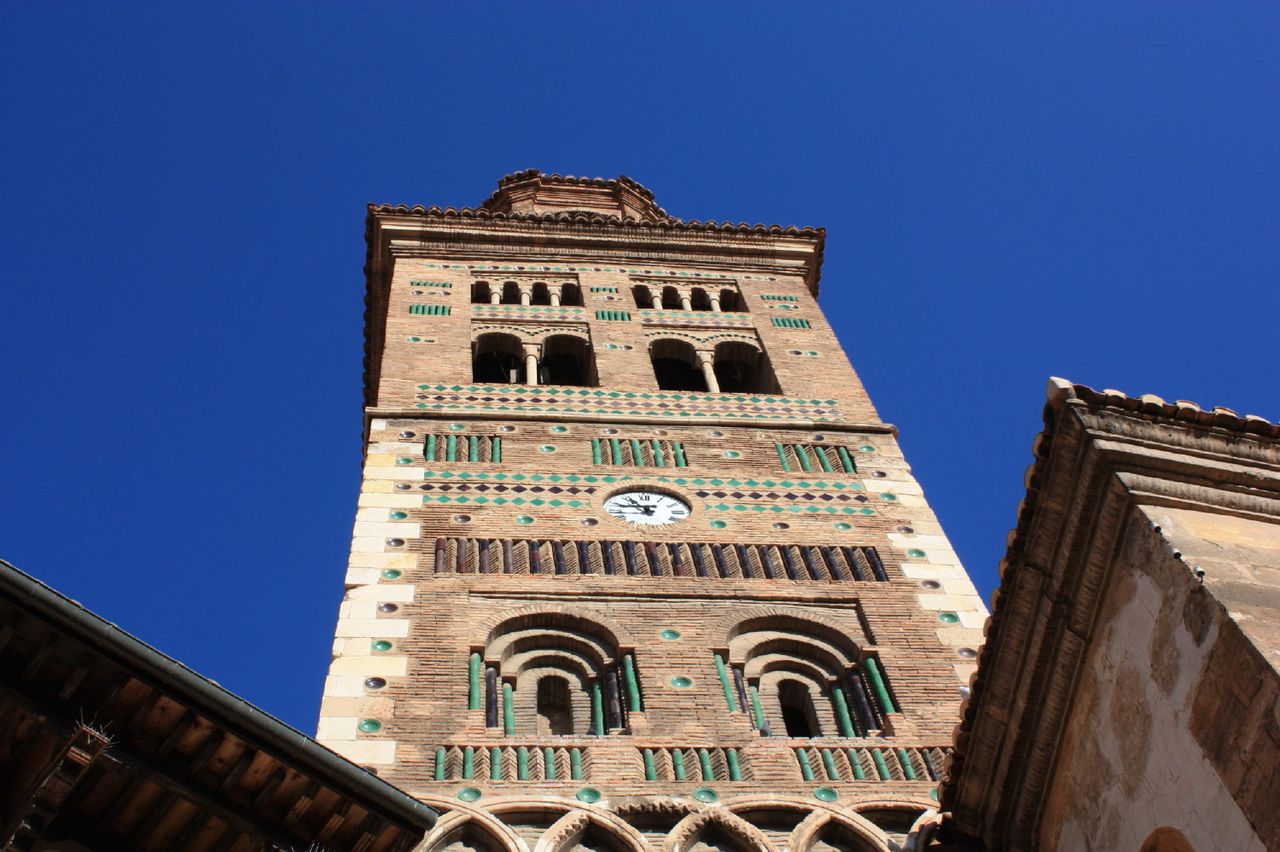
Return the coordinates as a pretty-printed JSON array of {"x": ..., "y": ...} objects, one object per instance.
[{"x": 531, "y": 191}]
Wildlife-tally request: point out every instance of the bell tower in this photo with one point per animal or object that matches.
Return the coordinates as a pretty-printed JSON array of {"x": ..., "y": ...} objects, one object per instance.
[{"x": 636, "y": 564}]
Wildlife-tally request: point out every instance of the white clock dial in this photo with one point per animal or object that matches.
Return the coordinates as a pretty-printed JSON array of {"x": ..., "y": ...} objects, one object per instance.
[{"x": 652, "y": 508}]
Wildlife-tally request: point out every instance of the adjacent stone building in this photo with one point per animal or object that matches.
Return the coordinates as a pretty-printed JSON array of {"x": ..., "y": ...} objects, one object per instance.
[
  {"x": 636, "y": 563},
  {"x": 1128, "y": 695}
]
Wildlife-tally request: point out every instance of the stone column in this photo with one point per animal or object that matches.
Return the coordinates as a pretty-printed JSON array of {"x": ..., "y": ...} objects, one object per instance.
[
  {"x": 526, "y": 294},
  {"x": 531, "y": 352},
  {"x": 554, "y": 296},
  {"x": 649, "y": 292},
  {"x": 495, "y": 295},
  {"x": 686, "y": 303},
  {"x": 715, "y": 302},
  {"x": 706, "y": 361}
]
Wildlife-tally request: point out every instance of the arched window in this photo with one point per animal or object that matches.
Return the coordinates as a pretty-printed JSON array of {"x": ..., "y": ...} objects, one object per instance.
[
  {"x": 675, "y": 366},
  {"x": 497, "y": 360},
  {"x": 554, "y": 673},
  {"x": 541, "y": 295},
  {"x": 742, "y": 368},
  {"x": 700, "y": 300},
  {"x": 510, "y": 293},
  {"x": 480, "y": 291},
  {"x": 670, "y": 299},
  {"x": 554, "y": 706},
  {"x": 643, "y": 296},
  {"x": 566, "y": 360},
  {"x": 799, "y": 678},
  {"x": 798, "y": 716},
  {"x": 731, "y": 301},
  {"x": 570, "y": 294}
]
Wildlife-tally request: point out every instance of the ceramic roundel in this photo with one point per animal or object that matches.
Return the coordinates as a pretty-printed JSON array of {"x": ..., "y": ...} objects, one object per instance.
[{"x": 652, "y": 508}]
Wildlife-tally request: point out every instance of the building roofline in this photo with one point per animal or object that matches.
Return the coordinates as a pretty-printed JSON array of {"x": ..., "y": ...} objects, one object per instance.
[{"x": 246, "y": 721}]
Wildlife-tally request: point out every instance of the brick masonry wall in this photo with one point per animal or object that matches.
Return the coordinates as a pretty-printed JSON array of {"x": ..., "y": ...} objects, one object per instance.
[{"x": 922, "y": 624}]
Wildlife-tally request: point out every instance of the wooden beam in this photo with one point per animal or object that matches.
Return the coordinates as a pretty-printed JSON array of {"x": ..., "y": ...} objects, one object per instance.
[{"x": 50, "y": 788}]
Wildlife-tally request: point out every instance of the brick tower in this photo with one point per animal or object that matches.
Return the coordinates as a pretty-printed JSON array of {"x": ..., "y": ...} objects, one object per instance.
[{"x": 636, "y": 564}]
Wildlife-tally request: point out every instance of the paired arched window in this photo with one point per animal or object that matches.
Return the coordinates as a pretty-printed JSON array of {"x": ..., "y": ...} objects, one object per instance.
[
  {"x": 731, "y": 367},
  {"x": 553, "y": 674},
  {"x": 498, "y": 358},
  {"x": 798, "y": 678}
]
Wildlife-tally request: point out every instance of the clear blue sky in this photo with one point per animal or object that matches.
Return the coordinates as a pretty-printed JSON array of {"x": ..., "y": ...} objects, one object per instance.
[{"x": 1012, "y": 190}]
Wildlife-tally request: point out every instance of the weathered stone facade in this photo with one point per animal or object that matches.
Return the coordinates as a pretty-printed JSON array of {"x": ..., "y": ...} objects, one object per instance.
[
  {"x": 549, "y": 676},
  {"x": 1128, "y": 694}
]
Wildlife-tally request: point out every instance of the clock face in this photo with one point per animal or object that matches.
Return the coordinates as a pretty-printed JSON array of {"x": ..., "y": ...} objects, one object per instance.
[{"x": 652, "y": 508}]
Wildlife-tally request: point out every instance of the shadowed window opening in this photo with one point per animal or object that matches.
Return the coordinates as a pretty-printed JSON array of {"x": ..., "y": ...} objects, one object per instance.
[
  {"x": 675, "y": 365},
  {"x": 555, "y": 710},
  {"x": 497, "y": 360},
  {"x": 566, "y": 360},
  {"x": 798, "y": 716},
  {"x": 741, "y": 368}
]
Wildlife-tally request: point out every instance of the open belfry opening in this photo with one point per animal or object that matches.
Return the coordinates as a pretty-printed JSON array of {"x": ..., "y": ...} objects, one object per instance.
[{"x": 636, "y": 564}]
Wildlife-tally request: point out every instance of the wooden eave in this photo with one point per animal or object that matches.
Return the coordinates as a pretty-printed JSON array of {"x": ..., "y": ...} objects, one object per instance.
[{"x": 107, "y": 742}]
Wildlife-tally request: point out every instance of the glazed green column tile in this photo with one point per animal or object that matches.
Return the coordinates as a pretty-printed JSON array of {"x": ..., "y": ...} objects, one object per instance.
[
  {"x": 855, "y": 764},
  {"x": 704, "y": 762},
  {"x": 615, "y": 450},
  {"x": 473, "y": 448},
  {"x": 508, "y": 711},
  {"x": 756, "y": 710},
  {"x": 522, "y": 764},
  {"x": 677, "y": 764},
  {"x": 650, "y": 768},
  {"x": 842, "y": 712},
  {"x": 496, "y": 454},
  {"x": 595, "y": 451},
  {"x": 658, "y": 458},
  {"x": 846, "y": 461},
  {"x": 549, "y": 763},
  {"x": 908, "y": 771},
  {"x": 597, "y": 709},
  {"x": 473, "y": 683},
  {"x": 468, "y": 762},
  {"x": 495, "y": 764},
  {"x": 633, "y": 686},
  {"x": 802, "y": 455},
  {"x": 735, "y": 768},
  {"x": 724, "y": 684},
  {"x": 829, "y": 764},
  {"x": 877, "y": 683},
  {"x": 575, "y": 764},
  {"x": 782, "y": 456},
  {"x": 636, "y": 458},
  {"x": 440, "y": 764},
  {"x": 822, "y": 459},
  {"x": 677, "y": 450},
  {"x": 881, "y": 766},
  {"x": 806, "y": 771},
  {"x": 430, "y": 453}
]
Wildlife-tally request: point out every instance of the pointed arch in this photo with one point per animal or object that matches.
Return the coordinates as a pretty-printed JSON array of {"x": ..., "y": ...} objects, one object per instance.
[{"x": 740, "y": 834}]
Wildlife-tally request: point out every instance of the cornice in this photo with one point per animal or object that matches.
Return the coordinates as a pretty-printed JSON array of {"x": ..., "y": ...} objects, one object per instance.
[{"x": 1101, "y": 455}]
